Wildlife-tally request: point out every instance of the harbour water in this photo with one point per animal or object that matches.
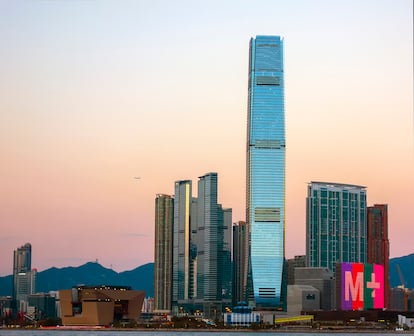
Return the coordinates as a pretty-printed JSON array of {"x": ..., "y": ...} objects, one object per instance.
[{"x": 19, "y": 332}]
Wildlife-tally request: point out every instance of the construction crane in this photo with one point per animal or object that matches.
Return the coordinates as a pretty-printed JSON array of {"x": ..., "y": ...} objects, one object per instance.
[
  {"x": 400, "y": 276},
  {"x": 402, "y": 286}
]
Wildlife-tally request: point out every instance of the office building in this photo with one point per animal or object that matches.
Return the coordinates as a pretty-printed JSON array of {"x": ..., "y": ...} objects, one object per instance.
[
  {"x": 398, "y": 299},
  {"x": 6, "y": 308},
  {"x": 265, "y": 199},
  {"x": 24, "y": 278},
  {"x": 164, "y": 220},
  {"x": 42, "y": 306},
  {"x": 213, "y": 248},
  {"x": 240, "y": 254},
  {"x": 184, "y": 247},
  {"x": 336, "y": 224},
  {"x": 378, "y": 250},
  {"x": 201, "y": 248}
]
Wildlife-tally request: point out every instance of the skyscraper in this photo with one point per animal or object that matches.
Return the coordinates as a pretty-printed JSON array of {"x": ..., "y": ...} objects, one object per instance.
[
  {"x": 213, "y": 248},
  {"x": 24, "y": 278},
  {"x": 183, "y": 281},
  {"x": 336, "y": 224},
  {"x": 265, "y": 201},
  {"x": 164, "y": 219},
  {"x": 201, "y": 248},
  {"x": 378, "y": 243},
  {"x": 240, "y": 252}
]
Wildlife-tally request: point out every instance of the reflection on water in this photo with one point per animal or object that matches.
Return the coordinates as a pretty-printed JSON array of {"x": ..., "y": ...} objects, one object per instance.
[{"x": 10, "y": 332}]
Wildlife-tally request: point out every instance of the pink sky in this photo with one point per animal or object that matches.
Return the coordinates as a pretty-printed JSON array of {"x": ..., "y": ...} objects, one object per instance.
[{"x": 95, "y": 93}]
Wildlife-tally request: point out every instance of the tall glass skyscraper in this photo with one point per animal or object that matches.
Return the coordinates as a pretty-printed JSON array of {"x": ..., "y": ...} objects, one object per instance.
[
  {"x": 240, "y": 248},
  {"x": 183, "y": 281},
  {"x": 201, "y": 248},
  {"x": 164, "y": 220},
  {"x": 24, "y": 278},
  {"x": 214, "y": 243},
  {"x": 265, "y": 208},
  {"x": 336, "y": 224}
]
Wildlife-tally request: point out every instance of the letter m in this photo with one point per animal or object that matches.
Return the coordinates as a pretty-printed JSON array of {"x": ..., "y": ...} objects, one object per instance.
[{"x": 354, "y": 287}]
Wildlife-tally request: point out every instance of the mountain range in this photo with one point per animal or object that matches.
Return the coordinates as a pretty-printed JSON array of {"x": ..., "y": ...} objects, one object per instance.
[
  {"x": 91, "y": 273},
  {"x": 142, "y": 277}
]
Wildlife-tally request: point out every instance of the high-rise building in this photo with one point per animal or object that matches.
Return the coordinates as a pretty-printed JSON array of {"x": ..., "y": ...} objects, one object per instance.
[
  {"x": 240, "y": 254},
  {"x": 201, "y": 249},
  {"x": 183, "y": 258},
  {"x": 213, "y": 248},
  {"x": 336, "y": 224},
  {"x": 378, "y": 251},
  {"x": 265, "y": 201},
  {"x": 225, "y": 248},
  {"x": 164, "y": 219},
  {"x": 24, "y": 278}
]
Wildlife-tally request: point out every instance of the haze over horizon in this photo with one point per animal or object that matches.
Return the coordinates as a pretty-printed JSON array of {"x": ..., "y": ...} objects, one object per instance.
[{"x": 93, "y": 94}]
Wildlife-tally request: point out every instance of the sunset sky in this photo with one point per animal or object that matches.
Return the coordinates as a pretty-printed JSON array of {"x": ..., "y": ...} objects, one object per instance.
[{"x": 95, "y": 93}]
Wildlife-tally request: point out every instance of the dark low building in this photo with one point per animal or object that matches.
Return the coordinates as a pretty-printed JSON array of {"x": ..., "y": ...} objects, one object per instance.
[
  {"x": 345, "y": 316},
  {"x": 44, "y": 305},
  {"x": 6, "y": 307}
]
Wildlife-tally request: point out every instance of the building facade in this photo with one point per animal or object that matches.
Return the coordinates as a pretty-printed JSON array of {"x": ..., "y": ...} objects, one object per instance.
[
  {"x": 201, "y": 249},
  {"x": 99, "y": 305},
  {"x": 336, "y": 224},
  {"x": 265, "y": 199},
  {"x": 24, "y": 278},
  {"x": 320, "y": 278},
  {"x": 378, "y": 251},
  {"x": 183, "y": 281},
  {"x": 42, "y": 306},
  {"x": 164, "y": 220},
  {"x": 302, "y": 298},
  {"x": 292, "y": 264},
  {"x": 240, "y": 254},
  {"x": 213, "y": 247}
]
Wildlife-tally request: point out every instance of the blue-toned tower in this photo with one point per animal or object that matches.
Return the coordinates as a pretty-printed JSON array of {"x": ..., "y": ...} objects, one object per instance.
[{"x": 265, "y": 208}]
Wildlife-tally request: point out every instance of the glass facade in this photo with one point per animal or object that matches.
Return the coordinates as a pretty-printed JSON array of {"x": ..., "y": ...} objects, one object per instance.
[
  {"x": 24, "y": 278},
  {"x": 214, "y": 243},
  {"x": 240, "y": 244},
  {"x": 336, "y": 224},
  {"x": 182, "y": 263},
  {"x": 201, "y": 278},
  {"x": 265, "y": 208},
  {"x": 164, "y": 216}
]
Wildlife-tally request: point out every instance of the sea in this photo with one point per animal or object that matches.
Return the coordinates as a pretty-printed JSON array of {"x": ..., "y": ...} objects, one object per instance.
[{"x": 36, "y": 332}]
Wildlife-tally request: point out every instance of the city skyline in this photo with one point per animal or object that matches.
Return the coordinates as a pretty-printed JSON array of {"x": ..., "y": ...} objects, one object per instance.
[{"x": 95, "y": 94}]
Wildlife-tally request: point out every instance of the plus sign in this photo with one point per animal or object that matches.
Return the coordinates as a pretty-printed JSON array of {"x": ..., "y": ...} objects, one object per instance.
[{"x": 373, "y": 284}]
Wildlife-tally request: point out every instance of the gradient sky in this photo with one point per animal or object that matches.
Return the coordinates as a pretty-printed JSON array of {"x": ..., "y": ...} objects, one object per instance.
[{"x": 93, "y": 93}]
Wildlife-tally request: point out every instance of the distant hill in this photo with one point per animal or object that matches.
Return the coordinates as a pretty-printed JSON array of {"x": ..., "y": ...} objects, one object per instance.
[
  {"x": 406, "y": 264},
  {"x": 140, "y": 278}
]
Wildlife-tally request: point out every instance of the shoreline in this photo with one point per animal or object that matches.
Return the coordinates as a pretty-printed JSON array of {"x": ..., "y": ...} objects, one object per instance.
[{"x": 286, "y": 330}]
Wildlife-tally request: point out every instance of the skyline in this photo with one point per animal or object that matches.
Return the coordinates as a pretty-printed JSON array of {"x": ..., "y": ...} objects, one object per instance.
[{"x": 94, "y": 94}]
